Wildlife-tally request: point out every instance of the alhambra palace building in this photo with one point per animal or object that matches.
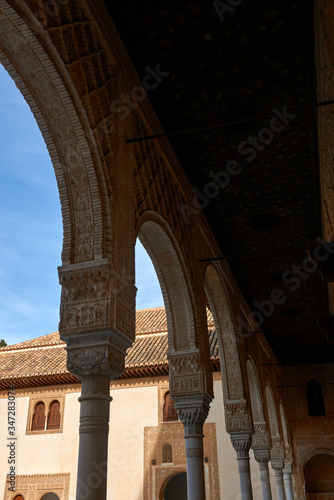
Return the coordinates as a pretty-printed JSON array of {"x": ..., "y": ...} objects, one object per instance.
[{"x": 205, "y": 129}]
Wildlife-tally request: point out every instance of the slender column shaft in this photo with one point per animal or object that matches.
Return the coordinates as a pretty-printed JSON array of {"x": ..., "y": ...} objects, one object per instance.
[
  {"x": 195, "y": 467},
  {"x": 192, "y": 413},
  {"x": 93, "y": 443},
  {"x": 262, "y": 456},
  {"x": 265, "y": 480},
  {"x": 241, "y": 444},
  {"x": 287, "y": 471},
  {"x": 279, "y": 484}
]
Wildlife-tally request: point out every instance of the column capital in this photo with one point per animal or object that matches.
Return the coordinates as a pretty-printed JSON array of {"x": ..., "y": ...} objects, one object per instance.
[
  {"x": 192, "y": 411},
  {"x": 100, "y": 354},
  {"x": 262, "y": 455},
  {"x": 277, "y": 464},
  {"x": 241, "y": 442},
  {"x": 287, "y": 469}
]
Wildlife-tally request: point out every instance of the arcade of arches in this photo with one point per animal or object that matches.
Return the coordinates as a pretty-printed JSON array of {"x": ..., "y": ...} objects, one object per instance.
[{"x": 69, "y": 62}]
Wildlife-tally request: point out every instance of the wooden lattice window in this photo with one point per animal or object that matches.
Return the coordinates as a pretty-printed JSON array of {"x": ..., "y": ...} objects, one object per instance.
[
  {"x": 19, "y": 497},
  {"x": 38, "y": 419},
  {"x": 167, "y": 454},
  {"x": 315, "y": 400},
  {"x": 54, "y": 416},
  {"x": 170, "y": 413}
]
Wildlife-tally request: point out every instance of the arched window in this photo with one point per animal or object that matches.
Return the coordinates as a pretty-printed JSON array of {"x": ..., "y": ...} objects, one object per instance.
[
  {"x": 38, "y": 419},
  {"x": 170, "y": 413},
  {"x": 19, "y": 497},
  {"x": 54, "y": 416},
  {"x": 315, "y": 400},
  {"x": 167, "y": 454}
]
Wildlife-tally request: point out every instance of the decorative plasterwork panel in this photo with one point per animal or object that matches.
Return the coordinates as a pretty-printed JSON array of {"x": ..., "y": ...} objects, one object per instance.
[
  {"x": 173, "y": 433},
  {"x": 33, "y": 487}
]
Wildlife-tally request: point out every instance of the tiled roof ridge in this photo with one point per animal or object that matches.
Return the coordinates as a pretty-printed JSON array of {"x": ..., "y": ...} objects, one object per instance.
[
  {"x": 149, "y": 309},
  {"x": 142, "y": 327},
  {"x": 24, "y": 345},
  {"x": 27, "y": 348}
]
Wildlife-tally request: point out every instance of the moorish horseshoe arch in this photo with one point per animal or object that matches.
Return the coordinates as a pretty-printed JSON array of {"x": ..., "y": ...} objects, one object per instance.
[{"x": 37, "y": 73}]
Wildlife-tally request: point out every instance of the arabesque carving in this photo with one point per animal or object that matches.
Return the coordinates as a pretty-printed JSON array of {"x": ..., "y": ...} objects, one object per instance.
[
  {"x": 85, "y": 296},
  {"x": 186, "y": 373},
  {"x": 102, "y": 360},
  {"x": 237, "y": 416},
  {"x": 193, "y": 418}
]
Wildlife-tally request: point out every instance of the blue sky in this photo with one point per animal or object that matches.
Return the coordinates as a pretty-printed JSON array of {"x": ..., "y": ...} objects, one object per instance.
[{"x": 31, "y": 228}]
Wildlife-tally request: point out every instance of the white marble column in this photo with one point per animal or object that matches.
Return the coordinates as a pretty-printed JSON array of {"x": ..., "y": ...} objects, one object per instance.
[
  {"x": 193, "y": 416},
  {"x": 287, "y": 477},
  {"x": 241, "y": 442},
  {"x": 262, "y": 456},
  {"x": 277, "y": 465}
]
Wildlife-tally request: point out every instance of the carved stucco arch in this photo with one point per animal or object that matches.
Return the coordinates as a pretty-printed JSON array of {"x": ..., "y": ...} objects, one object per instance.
[
  {"x": 272, "y": 413},
  {"x": 42, "y": 80},
  {"x": 276, "y": 438},
  {"x": 254, "y": 392},
  {"x": 310, "y": 453},
  {"x": 260, "y": 438},
  {"x": 165, "y": 477},
  {"x": 237, "y": 417},
  {"x": 188, "y": 341},
  {"x": 285, "y": 431},
  {"x": 159, "y": 242},
  {"x": 233, "y": 386}
]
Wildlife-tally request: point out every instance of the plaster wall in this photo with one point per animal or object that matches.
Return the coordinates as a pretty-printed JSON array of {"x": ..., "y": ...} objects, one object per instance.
[
  {"x": 135, "y": 405},
  {"x": 228, "y": 466}
]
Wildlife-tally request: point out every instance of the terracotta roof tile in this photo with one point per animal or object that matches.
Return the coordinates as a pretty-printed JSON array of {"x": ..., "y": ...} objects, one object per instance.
[{"x": 46, "y": 355}]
